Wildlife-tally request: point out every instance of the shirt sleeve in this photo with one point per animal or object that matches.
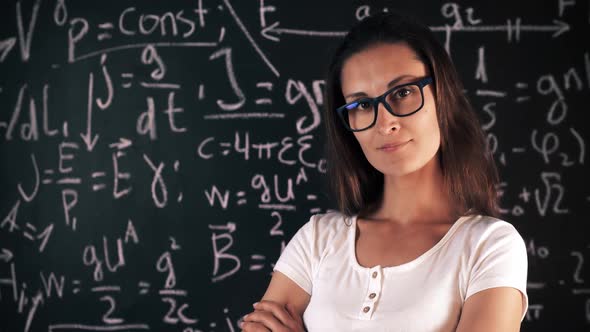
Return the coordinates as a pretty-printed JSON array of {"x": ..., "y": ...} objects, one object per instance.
[
  {"x": 298, "y": 259},
  {"x": 501, "y": 261}
]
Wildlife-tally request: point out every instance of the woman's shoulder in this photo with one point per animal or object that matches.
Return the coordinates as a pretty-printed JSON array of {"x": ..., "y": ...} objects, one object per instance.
[
  {"x": 331, "y": 216},
  {"x": 332, "y": 219},
  {"x": 482, "y": 228},
  {"x": 329, "y": 224},
  {"x": 482, "y": 223}
]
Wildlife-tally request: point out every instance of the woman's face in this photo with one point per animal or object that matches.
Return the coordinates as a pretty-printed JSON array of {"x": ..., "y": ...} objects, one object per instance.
[{"x": 395, "y": 146}]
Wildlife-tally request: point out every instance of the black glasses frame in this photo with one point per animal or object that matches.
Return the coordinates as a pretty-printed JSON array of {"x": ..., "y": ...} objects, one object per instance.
[{"x": 381, "y": 99}]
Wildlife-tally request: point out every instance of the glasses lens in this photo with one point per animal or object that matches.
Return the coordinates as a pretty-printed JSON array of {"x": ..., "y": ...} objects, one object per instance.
[
  {"x": 359, "y": 114},
  {"x": 405, "y": 99}
]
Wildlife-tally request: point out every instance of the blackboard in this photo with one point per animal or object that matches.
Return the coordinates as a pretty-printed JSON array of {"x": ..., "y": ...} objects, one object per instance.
[{"x": 156, "y": 156}]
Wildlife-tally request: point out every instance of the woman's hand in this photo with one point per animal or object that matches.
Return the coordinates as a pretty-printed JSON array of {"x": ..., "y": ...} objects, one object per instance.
[{"x": 272, "y": 316}]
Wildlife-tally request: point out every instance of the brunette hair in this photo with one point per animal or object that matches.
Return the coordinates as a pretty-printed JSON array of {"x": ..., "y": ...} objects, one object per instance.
[{"x": 468, "y": 167}]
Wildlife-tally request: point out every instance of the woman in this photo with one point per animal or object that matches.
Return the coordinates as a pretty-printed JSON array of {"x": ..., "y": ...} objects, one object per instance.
[{"x": 416, "y": 245}]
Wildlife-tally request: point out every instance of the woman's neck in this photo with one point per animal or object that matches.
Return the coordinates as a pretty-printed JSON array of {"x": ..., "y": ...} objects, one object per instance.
[{"x": 419, "y": 197}]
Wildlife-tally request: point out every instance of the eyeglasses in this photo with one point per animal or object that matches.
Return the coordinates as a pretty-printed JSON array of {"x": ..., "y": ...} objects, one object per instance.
[{"x": 402, "y": 100}]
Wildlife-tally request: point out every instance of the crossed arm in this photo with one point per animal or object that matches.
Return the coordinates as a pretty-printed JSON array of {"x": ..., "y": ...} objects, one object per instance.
[
  {"x": 282, "y": 306},
  {"x": 492, "y": 309}
]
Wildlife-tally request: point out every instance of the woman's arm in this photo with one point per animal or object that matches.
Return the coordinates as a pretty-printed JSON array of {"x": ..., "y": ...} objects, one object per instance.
[
  {"x": 281, "y": 307},
  {"x": 284, "y": 291},
  {"x": 493, "y": 309}
]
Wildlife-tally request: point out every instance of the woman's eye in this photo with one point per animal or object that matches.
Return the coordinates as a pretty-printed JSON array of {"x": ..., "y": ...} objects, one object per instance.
[
  {"x": 364, "y": 105},
  {"x": 401, "y": 93}
]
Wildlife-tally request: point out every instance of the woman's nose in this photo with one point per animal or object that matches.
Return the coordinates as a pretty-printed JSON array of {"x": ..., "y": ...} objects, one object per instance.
[{"x": 386, "y": 122}]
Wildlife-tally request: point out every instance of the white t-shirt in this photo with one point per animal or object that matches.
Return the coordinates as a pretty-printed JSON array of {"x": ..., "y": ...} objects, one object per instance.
[{"x": 426, "y": 294}]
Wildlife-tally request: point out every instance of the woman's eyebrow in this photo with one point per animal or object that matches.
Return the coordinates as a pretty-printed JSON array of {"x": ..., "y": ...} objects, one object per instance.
[
  {"x": 394, "y": 81},
  {"x": 391, "y": 83},
  {"x": 355, "y": 95}
]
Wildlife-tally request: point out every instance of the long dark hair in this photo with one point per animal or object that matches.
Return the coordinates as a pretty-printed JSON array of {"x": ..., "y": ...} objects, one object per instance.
[{"x": 468, "y": 167}]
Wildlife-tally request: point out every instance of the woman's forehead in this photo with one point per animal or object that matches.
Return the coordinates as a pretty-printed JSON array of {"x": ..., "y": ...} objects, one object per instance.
[{"x": 380, "y": 66}]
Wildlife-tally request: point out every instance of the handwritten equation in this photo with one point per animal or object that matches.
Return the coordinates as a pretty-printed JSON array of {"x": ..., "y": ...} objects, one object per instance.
[{"x": 156, "y": 158}]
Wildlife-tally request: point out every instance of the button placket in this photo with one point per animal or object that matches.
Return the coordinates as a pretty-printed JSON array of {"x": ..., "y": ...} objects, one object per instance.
[{"x": 373, "y": 292}]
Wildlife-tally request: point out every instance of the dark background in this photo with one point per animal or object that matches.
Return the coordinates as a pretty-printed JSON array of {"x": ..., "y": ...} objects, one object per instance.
[{"x": 161, "y": 256}]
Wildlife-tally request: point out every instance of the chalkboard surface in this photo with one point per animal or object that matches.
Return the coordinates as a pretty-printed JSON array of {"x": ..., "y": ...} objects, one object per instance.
[{"x": 156, "y": 156}]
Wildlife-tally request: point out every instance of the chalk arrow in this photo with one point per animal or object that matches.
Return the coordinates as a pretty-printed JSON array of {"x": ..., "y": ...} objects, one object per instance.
[
  {"x": 6, "y": 255},
  {"x": 266, "y": 32},
  {"x": 230, "y": 226},
  {"x": 121, "y": 144},
  {"x": 561, "y": 28},
  {"x": 5, "y": 46},
  {"x": 90, "y": 142},
  {"x": 88, "y": 138},
  {"x": 558, "y": 28},
  {"x": 274, "y": 29}
]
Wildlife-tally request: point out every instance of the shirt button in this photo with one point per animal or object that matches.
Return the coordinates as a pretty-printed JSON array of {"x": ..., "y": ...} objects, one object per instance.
[
  {"x": 375, "y": 274},
  {"x": 372, "y": 295},
  {"x": 366, "y": 309}
]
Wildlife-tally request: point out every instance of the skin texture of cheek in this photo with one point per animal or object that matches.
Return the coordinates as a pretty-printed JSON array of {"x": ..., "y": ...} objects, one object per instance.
[{"x": 432, "y": 142}]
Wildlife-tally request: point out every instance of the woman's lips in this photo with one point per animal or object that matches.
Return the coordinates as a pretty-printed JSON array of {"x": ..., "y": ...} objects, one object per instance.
[{"x": 390, "y": 147}]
